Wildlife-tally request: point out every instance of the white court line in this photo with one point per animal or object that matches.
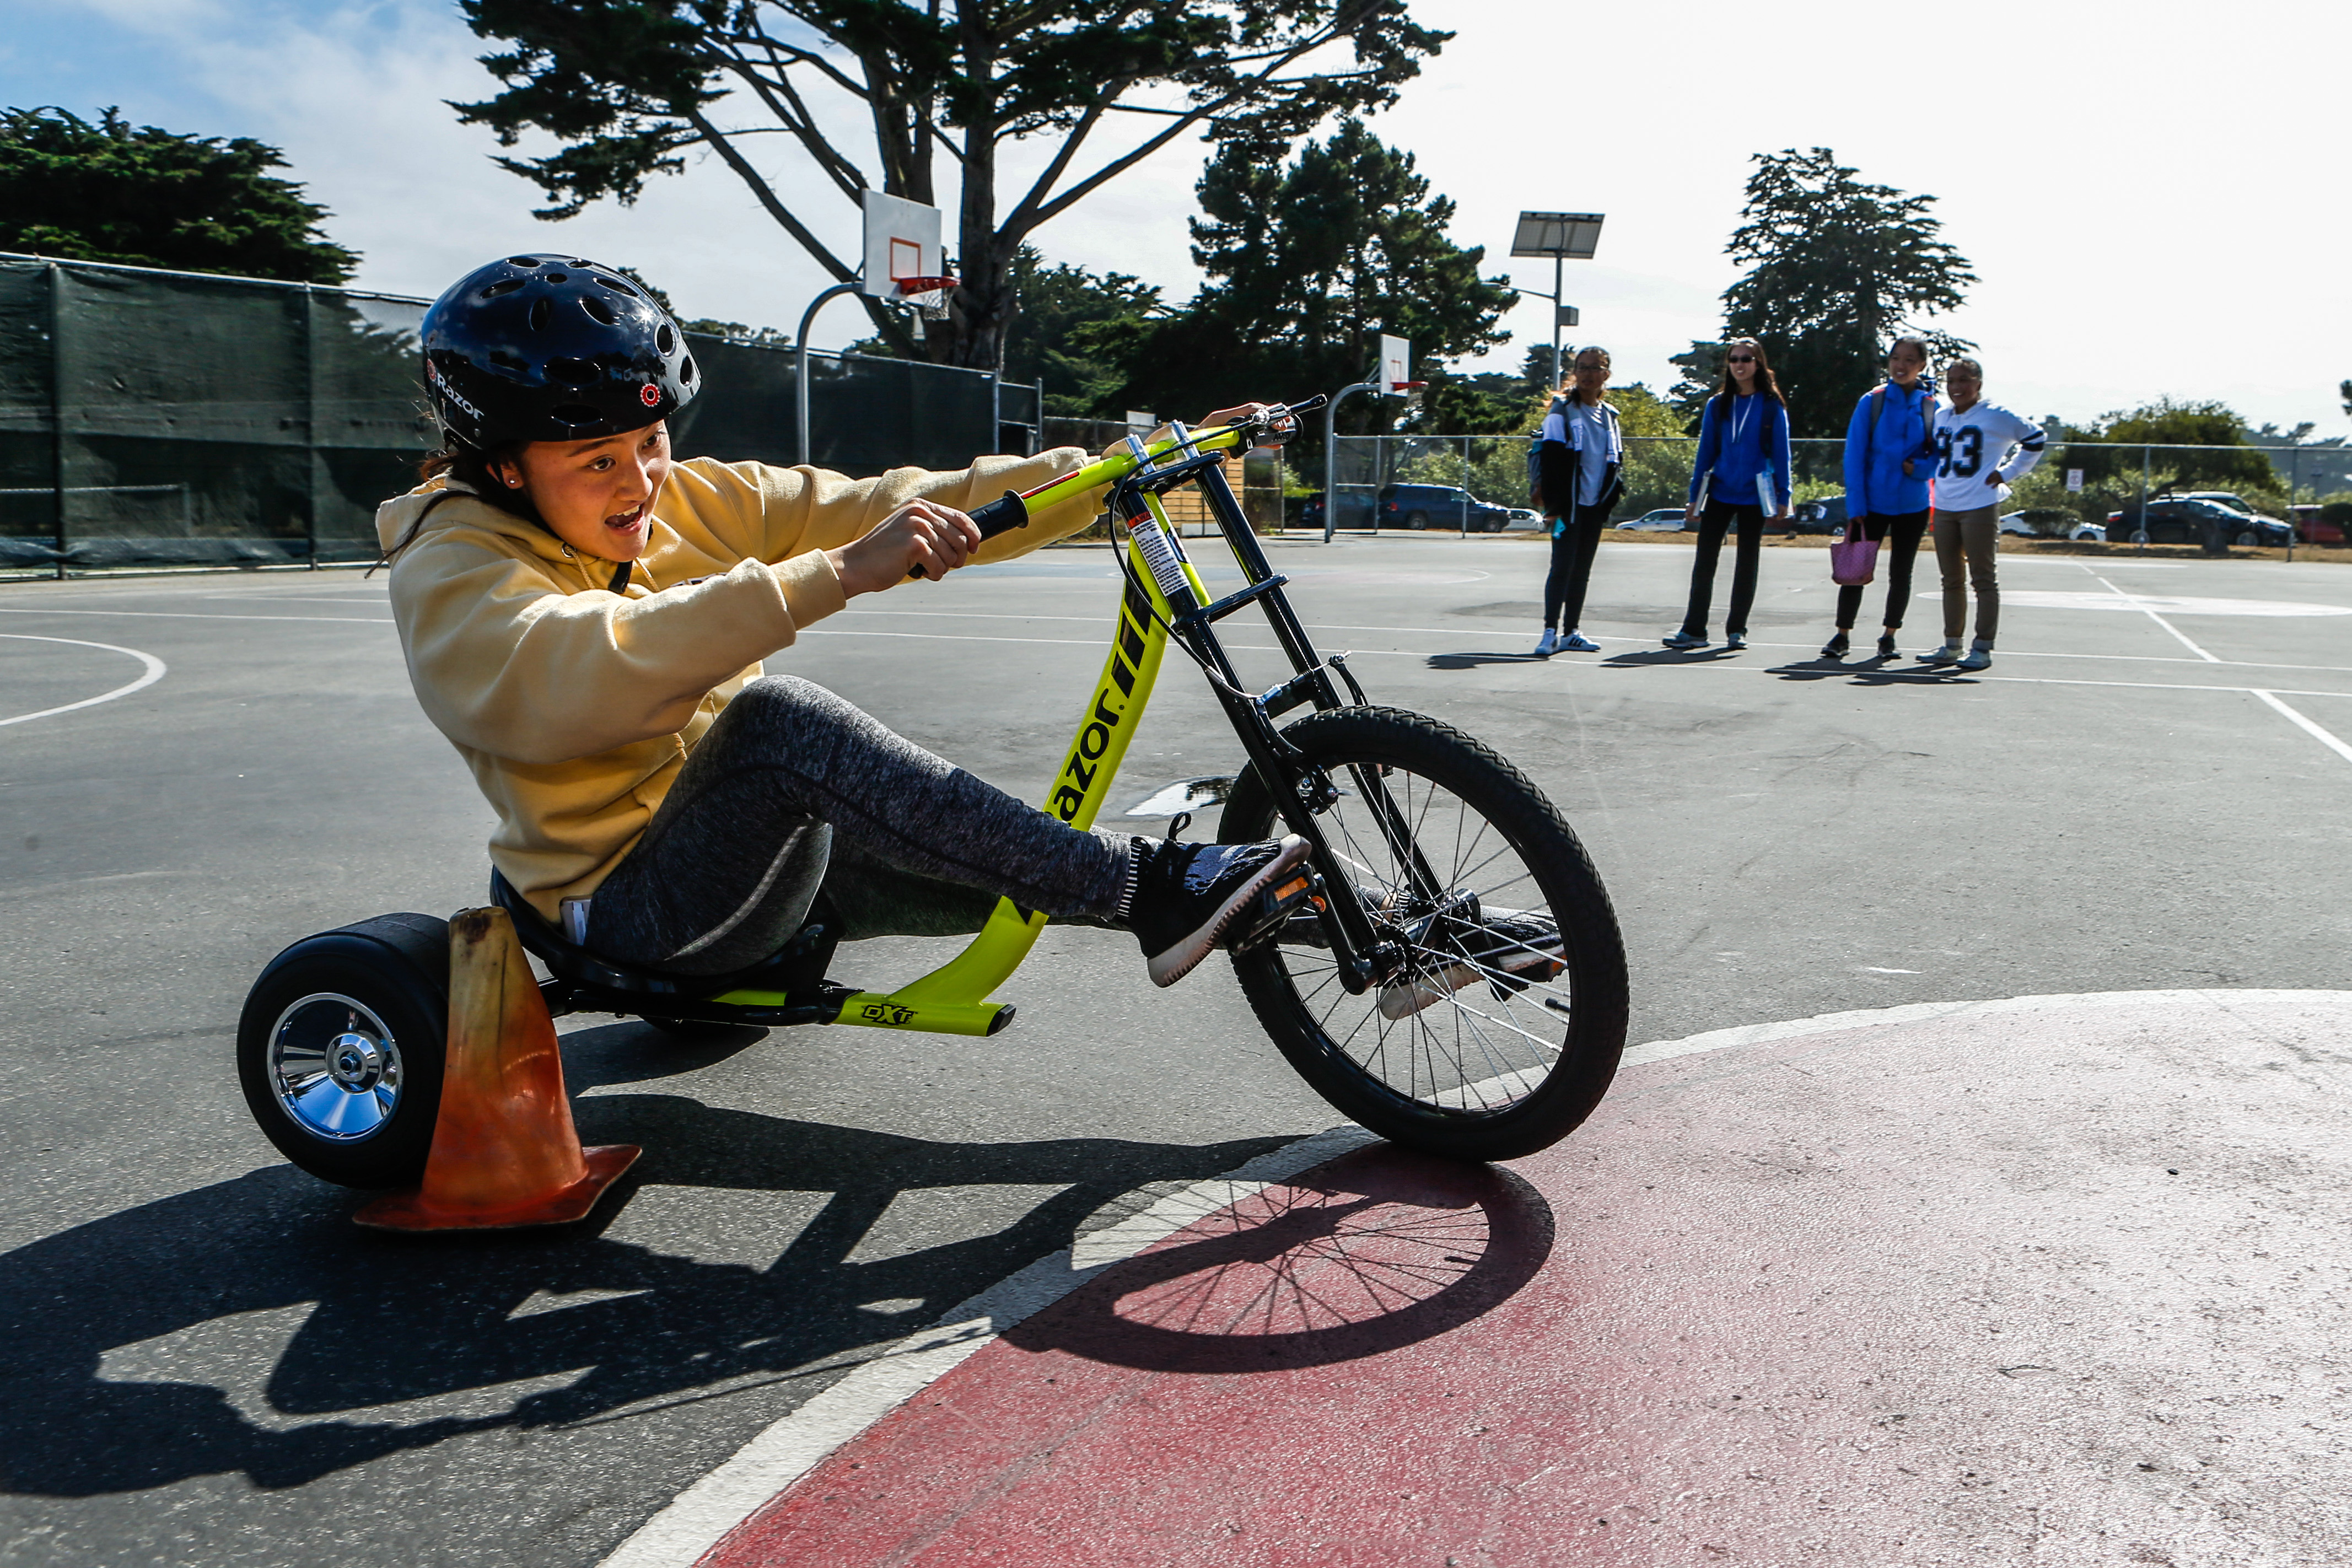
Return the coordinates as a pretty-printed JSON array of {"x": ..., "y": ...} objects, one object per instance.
[
  {"x": 2152, "y": 615},
  {"x": 703, "y": 1514},
  {"x": 1602, "y": 637},
  {"x": 196, "y": 616},
  {"x": 1921, "y": 676},
  {"x": 155, "y": 672},
  {"x": 2308, "y": 727}
]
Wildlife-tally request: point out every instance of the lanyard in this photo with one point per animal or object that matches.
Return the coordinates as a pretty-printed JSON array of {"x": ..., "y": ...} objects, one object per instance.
[{"x": 1739, "y": 420}]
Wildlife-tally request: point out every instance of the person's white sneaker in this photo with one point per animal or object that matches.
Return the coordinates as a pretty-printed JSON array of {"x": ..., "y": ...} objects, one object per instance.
[
  {"x": 1978, "y": 659},
  {"x": 1946, "y": 655},
  {"x": 1548, "y": 644},
  {"x": 1578, "y": 642}
]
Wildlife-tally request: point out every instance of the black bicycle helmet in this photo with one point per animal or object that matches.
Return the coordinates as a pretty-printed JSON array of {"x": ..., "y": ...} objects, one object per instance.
[{"x": 529, "y": 349}]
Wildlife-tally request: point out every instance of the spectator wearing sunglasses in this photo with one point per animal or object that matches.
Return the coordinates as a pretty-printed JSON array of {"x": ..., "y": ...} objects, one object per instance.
[
  {"x": 1580, "y": 458},
  {"x": 1742, "y": 467},
  {"x": 1890, "y": 454}
]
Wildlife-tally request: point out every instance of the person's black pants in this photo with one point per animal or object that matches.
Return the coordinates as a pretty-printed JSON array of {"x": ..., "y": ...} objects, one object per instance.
[
  {"x": 1573, "y": 548},
  {"x": 1718, "y": 516},
  {"x": 1899, "y": 534}
]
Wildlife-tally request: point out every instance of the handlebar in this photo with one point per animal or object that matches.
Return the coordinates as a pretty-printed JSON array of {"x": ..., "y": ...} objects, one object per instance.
[{"x": 1014, "y": 508}]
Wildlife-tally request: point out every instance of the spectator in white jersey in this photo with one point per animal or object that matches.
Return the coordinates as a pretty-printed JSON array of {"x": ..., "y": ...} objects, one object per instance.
[{"x": 1974, "y": 439}]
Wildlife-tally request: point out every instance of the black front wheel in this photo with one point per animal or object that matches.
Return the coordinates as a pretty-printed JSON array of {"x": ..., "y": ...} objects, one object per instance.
[
  {"x": 341, "y": 1046},
  {"x": 1501, "y": 1029}
]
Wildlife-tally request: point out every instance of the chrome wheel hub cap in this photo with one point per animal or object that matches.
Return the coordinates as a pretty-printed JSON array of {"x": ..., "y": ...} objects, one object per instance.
[{"x": 335, "y": 1068}]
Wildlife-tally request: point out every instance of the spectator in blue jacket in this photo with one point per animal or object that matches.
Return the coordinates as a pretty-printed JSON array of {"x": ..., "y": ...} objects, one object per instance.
[
  {"x": 1889, "y": 458},
  {"x": 1742, "y": 467}
]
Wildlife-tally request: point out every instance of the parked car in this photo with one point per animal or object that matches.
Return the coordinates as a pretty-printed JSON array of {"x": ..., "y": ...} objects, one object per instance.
[
  {"x": 2235, "y": 504},
  {"x": 2313, "y": 526},
  {"x": 1355, "y": 510},
  {"x": 1664, "y": 520},
  {"x": 2183, "y": 519},
  {"x": 1526, "y": 518},
  {"x": 1439, "y": 506},
  {"x": 1826, "y": 515},
  {"x": 2050, "y": 523}
]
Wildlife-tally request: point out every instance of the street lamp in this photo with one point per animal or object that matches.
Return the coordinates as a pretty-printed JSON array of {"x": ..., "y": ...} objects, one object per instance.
[{"x": 1564, "y": 236}]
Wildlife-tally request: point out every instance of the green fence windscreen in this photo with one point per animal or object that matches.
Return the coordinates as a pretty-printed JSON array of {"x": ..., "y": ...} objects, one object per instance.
[{"x": 161, "y": 418}]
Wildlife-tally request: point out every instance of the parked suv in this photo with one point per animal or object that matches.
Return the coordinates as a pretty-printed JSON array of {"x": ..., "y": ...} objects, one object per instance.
[
  {"x": 1439, "y": 506},
  {"x": 1446, "y": 506}
]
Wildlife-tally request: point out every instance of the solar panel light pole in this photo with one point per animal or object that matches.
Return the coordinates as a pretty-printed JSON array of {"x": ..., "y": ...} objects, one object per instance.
[{"x": 1564, "y": 237}]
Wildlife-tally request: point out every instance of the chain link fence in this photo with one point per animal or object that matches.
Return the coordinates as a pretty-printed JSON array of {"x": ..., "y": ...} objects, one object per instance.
[
  {"x": 2077, "y": 483},
  {"x": 156, "y": 419}
]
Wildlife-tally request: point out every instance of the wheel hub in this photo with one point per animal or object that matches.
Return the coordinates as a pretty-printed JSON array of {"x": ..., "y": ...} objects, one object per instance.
[
  {"x": 355, "y": 1062},
  {"x": 336, "y": 1067}
]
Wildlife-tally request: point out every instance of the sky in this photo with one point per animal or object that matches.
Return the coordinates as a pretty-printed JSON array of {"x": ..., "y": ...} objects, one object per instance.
[{"x": 2155, "y": 196}]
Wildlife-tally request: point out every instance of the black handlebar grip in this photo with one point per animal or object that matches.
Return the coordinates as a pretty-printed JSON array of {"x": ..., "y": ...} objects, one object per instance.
[
  {"x": 1002, "y": 516},
  {"x": 1004, "y": 513}
]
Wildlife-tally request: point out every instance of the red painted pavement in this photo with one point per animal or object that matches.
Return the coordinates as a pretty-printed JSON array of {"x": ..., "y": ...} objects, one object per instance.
[{"x": 1924, "y": 1293}]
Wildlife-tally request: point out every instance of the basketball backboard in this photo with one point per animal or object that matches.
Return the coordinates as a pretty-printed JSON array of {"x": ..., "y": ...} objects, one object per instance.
[
  {"x": 1396, "y": 362},
  {"x": 902, "y": 240}
]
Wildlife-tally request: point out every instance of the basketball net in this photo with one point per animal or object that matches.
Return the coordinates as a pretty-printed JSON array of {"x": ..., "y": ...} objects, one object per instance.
[{"x": 928, "y": 296}]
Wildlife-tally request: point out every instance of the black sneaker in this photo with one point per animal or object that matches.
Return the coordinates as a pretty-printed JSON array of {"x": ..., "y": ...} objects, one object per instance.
[
  {"x": 1510, "y": 949},
  {"x": 1886, "y": 648},
  {"x": 1835, "y": 648},
  {"x": 1188, "y": 899}
]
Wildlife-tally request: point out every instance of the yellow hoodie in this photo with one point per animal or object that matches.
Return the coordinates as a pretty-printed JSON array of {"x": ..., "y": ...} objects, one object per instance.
[{"x": 574, "y": 705}]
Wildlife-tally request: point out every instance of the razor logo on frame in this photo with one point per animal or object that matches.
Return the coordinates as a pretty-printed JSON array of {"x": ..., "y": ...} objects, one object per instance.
[{"x": 1085, "y": 762}]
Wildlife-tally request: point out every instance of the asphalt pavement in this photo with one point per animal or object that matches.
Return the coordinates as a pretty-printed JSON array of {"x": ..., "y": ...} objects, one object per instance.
[{"x": 206, "y": 1362}]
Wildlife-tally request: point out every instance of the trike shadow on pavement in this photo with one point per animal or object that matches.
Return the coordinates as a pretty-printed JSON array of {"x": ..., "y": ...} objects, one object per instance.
[
  {"x": 1654, "y": 658},
  {"x": 1375, "y": 1251},
  {"x": 1469, "y": 661},
  {"x": 1870, "y": 672},
  {"x": 336, "y": 1327}
]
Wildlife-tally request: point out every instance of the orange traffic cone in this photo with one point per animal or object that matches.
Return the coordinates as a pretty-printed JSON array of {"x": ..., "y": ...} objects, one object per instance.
[{"x": 504, "y": 1150}]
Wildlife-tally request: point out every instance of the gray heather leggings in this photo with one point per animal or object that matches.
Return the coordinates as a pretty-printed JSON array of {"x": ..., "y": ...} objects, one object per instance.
[{"x": 793, "y": 790}]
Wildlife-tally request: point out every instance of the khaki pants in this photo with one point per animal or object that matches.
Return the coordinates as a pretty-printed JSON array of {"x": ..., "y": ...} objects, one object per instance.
[{"x": 1972, "y": 533}]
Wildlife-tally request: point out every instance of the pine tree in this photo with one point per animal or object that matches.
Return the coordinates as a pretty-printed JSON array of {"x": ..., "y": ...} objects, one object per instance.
[
  {"x": 1837, "y": 270},
  {"x": 148, "y": 197}
]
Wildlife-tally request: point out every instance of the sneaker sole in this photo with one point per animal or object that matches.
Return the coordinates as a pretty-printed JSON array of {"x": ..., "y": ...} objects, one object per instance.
[
  {"x": 1403, "y": 1001},
  {"x": 1181, "y": 957}
]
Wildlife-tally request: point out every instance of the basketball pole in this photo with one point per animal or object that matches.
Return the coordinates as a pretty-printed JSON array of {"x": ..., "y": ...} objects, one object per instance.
[{"x": 801, "y": 395}]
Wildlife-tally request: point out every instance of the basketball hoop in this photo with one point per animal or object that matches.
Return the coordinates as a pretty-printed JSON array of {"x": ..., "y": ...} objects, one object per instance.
[
  {"x": 1406, "y": 388},
  {"x": 927, "y": 295}
]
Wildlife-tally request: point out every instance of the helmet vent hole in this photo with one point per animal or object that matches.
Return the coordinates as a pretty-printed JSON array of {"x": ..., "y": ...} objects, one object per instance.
[
  {"x": 539, "y": 315},
  {"x": 615, "y": 284},
  {"x": 503, "y": 286},
  {"x": 600, "y": 310},
  {"x": 666, "y": 340},
  {"x": 575, "y": 373},
  {"x": 685, "y": 371},
  {"x": 512, "y": 361},
  {"x": 557, "y": 277},
  {"x": 575, "y": 414},
  {"x": 522, "y": 261}
]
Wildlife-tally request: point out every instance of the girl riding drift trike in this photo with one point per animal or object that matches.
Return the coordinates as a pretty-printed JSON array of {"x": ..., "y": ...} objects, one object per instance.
[{"x": 684, "y": 838}]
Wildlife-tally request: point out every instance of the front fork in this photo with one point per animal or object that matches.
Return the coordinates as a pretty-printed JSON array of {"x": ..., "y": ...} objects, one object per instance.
[{"x": 1365, "y": 955}]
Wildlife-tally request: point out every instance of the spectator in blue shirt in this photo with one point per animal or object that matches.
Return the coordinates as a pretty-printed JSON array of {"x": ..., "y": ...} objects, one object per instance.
[
  {"x": 1742, "y": 467},
  {"x": 1889, "y": 458}
]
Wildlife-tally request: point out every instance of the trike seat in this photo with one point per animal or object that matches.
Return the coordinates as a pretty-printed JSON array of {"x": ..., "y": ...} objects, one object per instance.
[{"x": 588, "y": 982}]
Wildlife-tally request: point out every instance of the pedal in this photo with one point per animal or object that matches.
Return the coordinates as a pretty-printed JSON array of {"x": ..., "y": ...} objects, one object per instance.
[{"x": 1273, "y": 911}]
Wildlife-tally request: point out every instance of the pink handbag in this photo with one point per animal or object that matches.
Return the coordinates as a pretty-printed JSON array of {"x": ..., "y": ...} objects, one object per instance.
[{"x": 1853, "y": 560}]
